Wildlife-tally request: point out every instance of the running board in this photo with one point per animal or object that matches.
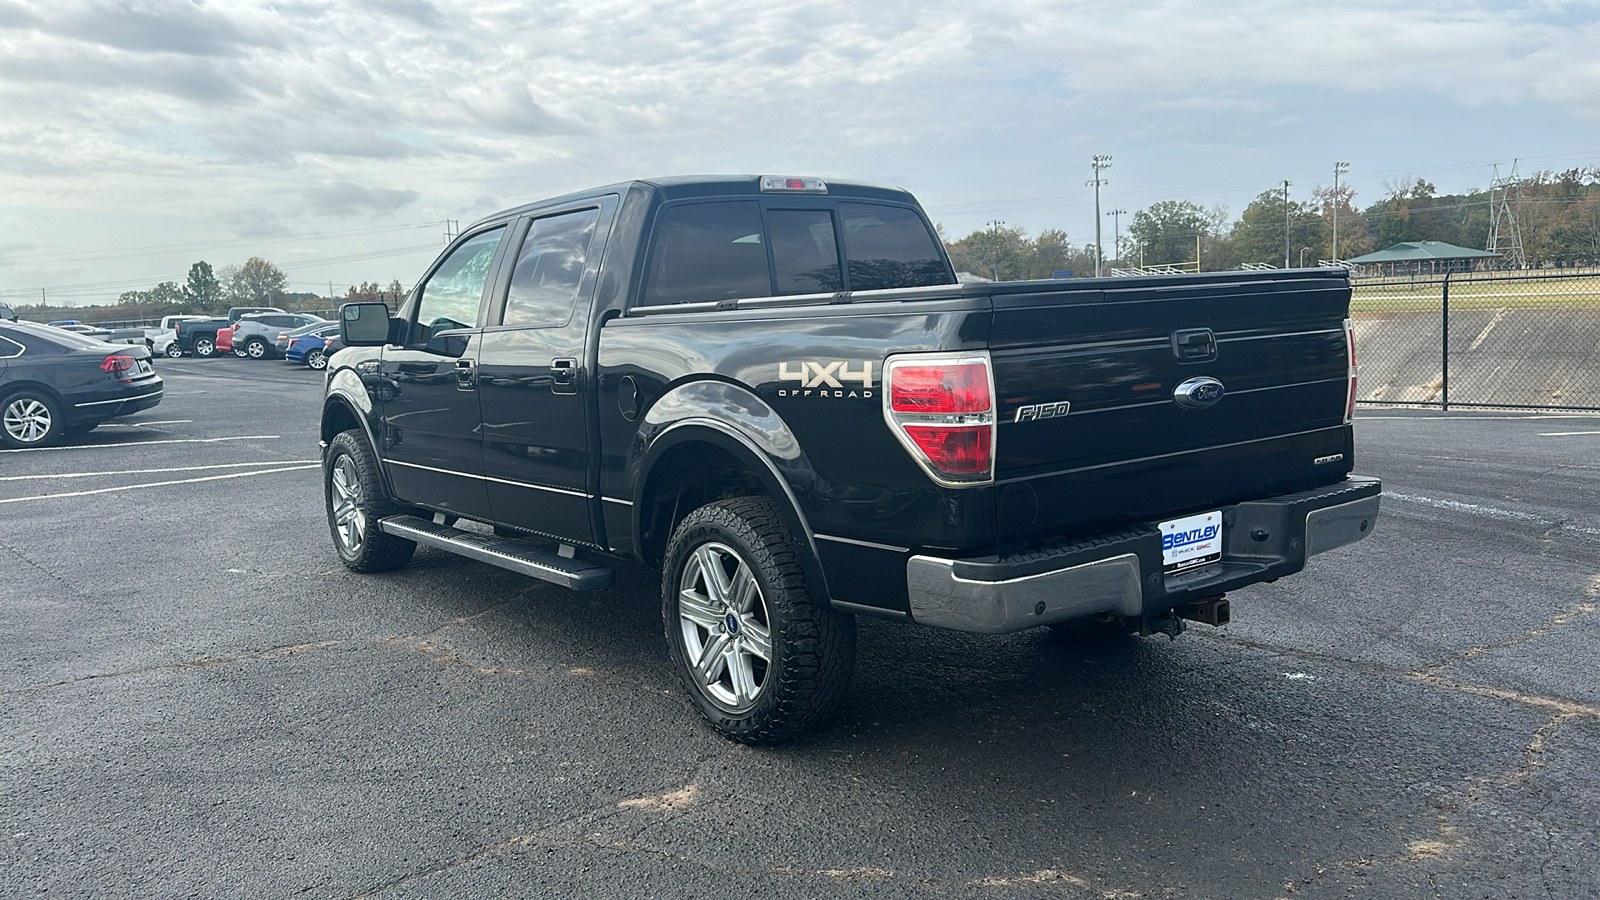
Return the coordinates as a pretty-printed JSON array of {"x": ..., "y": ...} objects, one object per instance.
[{"x": 546, "y": 565}]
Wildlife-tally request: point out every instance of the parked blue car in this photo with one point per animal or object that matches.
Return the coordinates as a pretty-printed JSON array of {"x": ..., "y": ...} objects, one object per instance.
[{"x": 311, "y": 348}]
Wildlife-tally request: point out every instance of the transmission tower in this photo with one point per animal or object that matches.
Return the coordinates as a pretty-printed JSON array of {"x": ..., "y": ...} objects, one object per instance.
[{"x": 1505, "y": 235}]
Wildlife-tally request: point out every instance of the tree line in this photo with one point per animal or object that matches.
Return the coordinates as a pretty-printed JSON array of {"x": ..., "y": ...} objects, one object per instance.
[
  {"x": 257, "y": 282},
  {"x": 1558, "y": 215}
]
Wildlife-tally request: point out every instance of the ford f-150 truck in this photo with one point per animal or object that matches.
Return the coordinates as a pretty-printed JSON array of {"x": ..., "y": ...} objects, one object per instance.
[{"x": 774, "y": 390}]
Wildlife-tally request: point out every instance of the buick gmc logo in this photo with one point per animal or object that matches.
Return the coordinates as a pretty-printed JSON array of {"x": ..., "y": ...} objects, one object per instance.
[{"x": 1198, "y": 393}]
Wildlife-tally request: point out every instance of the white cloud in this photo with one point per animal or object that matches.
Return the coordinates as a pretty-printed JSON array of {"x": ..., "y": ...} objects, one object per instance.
[{"x": 319, "y": 110}]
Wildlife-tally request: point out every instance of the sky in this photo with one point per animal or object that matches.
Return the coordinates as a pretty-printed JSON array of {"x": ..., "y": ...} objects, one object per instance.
[{"x": 336, "y": 139}]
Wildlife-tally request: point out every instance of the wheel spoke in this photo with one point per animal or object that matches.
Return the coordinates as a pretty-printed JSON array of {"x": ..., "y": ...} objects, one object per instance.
[
  {"x": 716, "y": 579},
  {"x": 741, "y": 674},
  {"x": 744, "y": 592},
  {"x": 695, "y": 608},
  {"x": 757, "y": 639},
  {"x": 712, "y": 659}
]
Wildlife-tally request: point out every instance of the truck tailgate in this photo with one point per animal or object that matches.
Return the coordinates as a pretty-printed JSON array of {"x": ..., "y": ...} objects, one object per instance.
[{"x": 1090, "y": 433}]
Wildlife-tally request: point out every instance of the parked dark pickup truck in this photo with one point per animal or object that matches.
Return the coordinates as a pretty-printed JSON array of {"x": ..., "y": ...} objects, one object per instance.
[
  {"x": 774, "y": 390},
  {"x": 199, "y": 336}
]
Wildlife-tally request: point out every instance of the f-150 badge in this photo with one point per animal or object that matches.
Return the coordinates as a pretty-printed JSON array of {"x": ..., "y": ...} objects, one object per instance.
[
  {"x": 1038, "y": 411},
  {"x": 825, "y": 378}
]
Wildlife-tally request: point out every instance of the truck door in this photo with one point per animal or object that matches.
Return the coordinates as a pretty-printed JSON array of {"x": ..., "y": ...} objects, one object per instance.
[
  {"x": 534, "y": 376},
  {"x": 427, "y": 386}
]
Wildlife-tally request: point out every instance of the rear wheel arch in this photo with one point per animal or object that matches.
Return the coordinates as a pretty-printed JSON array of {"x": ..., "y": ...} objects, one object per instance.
[{"x": 696, "y": 463}]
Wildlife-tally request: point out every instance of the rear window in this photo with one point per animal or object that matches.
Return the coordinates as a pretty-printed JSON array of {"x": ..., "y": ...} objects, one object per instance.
[
  {"x": 889, "y": 247},
  {"x": 708, "y": 251},
  {"x": 805, "y": 252}
]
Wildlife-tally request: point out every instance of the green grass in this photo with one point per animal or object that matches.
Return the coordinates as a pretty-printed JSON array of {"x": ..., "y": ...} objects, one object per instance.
[{"x": 1401, "y": 295}]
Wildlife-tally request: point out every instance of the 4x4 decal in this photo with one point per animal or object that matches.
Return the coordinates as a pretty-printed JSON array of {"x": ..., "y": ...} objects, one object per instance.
[{"x": 825, "y": 379}]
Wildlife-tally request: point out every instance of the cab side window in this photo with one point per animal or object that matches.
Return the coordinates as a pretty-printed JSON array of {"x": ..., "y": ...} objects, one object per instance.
[
  {"x": 450, "y": 297},
  {"x": 708, "y": 251},
  {"x": 889, "y": 247},
  {"x": 549, "y": 270}
]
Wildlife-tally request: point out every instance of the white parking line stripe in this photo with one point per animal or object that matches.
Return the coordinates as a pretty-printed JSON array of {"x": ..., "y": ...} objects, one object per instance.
[
  {"x": 1565, "y": 433},
  {"x": 142, "y": 424},
  {"x": 242, "y": 437},
  {"x": 280, "y": 462},
  {"x": 130, "y": 487},
  {"x": 1490, "y": 512}
]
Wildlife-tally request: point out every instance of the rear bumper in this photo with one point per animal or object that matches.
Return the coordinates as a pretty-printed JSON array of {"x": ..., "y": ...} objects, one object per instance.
[
  {"x": 129, "y": 400},
  {"x": 1121, "y": 573}
]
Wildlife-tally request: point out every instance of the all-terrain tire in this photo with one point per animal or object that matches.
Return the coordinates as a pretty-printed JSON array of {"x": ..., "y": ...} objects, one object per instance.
[
  {"x": 353, "y": 489},
  {"x": 760, "y": 652}
]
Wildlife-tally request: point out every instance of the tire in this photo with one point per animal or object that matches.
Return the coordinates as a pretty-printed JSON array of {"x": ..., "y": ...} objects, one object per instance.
[
  {"x": 238, "y": 351},
  {"x": 355, "y": 499},
  {"x": 174, "y": 351},
  {"x": 316, "y": 358},
  {"x": 30, "y": 418},
  {"x": 205, "y": 347},
  {"x": 256, "y": 348},
  {"x": 761, "y": 655}
]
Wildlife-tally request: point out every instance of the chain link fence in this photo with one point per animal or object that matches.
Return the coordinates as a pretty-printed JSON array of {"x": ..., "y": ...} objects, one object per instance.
[{"x": 1492, "y": 339}]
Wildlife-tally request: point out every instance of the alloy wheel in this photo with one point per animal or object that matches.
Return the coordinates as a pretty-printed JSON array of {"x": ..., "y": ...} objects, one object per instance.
[
  {"x": 349, "y": 519},
  {"x": 27, "y": 420},
  {"x": 725, "y": 625}
]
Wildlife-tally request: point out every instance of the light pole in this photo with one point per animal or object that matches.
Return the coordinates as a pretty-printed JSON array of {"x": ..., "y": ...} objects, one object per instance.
[
  {"x": 994, "y": 229},
  {"x": 1099, "y": 164},
  {"x": 1116, "y": 232},
  {"x": 1338, "y": 168},
  {"x": 1286, "y": 184},
  {"x": 1303, "y": 256}
]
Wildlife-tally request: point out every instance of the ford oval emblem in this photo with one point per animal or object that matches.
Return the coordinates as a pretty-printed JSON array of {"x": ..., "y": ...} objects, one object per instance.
[{"x": 1198, "y": 393}]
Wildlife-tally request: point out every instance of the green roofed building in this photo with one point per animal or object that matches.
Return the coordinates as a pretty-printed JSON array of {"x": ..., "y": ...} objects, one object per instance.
[{"x": 1425, "y": 258}]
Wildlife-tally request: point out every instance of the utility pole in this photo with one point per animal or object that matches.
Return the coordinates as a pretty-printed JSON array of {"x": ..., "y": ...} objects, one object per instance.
[
  {"x": 1286, "y": 184},
  {"x": 1100, "y": 164},
  {"x": 1338, "y": 168},
  {"x": 1116, "y": 232},
  {"x": 994, "y": 264}
]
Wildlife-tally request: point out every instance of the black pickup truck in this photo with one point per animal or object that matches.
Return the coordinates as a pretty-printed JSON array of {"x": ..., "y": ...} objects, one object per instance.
[
  {"x": 774, "y": 390},
  {"x": 199, "y": 336}
]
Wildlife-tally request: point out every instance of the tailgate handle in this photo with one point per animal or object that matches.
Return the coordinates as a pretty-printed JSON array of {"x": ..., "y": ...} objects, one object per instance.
[{"x": 1194, "y": 345}]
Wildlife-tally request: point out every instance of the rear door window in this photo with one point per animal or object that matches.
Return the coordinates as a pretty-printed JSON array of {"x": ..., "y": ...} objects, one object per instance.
[
  {"x": 549, "y": 270},
  {"x": 708, "y": 251},
  {"x": 889, "y": 247},
  {"x": 805, "y": 251}
]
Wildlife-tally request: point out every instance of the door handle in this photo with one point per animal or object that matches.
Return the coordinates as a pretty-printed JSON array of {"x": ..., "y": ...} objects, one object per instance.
[
  {"x": 466, "y": 375},
  {"x": 564, "y": 376}
]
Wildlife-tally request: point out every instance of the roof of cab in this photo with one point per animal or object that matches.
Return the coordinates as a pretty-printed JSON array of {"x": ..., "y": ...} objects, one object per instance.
[{"x": 678, "y": 187}]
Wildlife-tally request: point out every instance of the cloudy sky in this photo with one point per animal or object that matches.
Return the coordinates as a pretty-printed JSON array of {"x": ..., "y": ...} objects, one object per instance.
[{"x": 335, "y": 138}]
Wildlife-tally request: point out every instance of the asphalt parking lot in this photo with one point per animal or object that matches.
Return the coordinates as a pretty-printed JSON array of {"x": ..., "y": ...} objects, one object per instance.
[{"x": 198, "y": 700}]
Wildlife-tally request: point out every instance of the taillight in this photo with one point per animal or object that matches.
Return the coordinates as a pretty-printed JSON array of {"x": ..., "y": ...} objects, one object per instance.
[
  {"x": 942, "y": 410},
  {"x": 116, "y": 365},
  {"x": 1350, "y": 395}
]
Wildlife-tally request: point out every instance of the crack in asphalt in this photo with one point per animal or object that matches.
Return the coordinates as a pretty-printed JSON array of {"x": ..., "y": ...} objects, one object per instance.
[{"x": 204, "y": 661}]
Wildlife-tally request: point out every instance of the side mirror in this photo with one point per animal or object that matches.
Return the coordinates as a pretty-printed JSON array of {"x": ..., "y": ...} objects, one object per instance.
[{"x": 364, "y": 324}]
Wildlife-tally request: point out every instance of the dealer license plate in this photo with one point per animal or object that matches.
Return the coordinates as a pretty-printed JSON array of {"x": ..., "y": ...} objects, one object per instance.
[{"x": 1191, "y": 541}]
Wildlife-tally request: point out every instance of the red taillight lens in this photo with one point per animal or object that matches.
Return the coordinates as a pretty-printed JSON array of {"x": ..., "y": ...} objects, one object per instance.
[
  {"x": 942, "y": 409},
  {"x": 960, "y": 388},
  {"x": 955, "y": 450},
  {"x": 117, "y": 364}
]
